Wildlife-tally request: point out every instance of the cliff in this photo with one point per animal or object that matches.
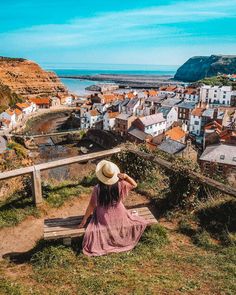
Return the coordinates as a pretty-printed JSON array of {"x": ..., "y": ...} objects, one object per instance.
[
  {"x": 27, "y": 78},
  {"x": 200, "y": 67}
]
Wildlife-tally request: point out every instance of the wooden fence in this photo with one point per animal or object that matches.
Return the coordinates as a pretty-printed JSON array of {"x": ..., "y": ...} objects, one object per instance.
[{"x": 35, "y": 171}]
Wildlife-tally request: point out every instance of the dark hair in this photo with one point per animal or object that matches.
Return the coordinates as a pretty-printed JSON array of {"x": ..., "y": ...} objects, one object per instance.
[{"x": 108, "y": 194}]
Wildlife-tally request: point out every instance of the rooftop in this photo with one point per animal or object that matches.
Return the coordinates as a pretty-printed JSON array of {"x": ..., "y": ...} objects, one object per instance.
[
  {"x": 220, "y": 153},
  {"x": 187, "y": 105},
  {"x": 138, "y": 134},
  {"x": 175, "y": 133},
  {"x": 171, "y": 146},
  {"x": 152, "y": 119}
]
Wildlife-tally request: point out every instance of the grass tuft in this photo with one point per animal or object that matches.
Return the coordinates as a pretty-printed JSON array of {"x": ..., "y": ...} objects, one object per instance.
[{"x": 53, "y": 256}]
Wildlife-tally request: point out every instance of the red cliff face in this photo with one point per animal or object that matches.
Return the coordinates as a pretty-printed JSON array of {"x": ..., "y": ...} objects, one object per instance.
[{"x": 27, "y": 78}]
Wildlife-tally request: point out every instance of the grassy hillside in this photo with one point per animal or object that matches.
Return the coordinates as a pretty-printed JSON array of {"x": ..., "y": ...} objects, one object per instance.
[{"x": 218, "y": 80}]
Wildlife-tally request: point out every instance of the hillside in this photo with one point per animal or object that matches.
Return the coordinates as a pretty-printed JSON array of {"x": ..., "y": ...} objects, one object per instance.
[
  {"x": 7, "y": 97},
  {"x": 199, "y": 67},
  {"x": 218, "y": 80},
  {"x": 26, "y": 78}
]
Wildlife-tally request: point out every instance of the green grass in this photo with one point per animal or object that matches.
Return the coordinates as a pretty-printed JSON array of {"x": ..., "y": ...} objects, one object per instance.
[
  {"x": 15, "y": 209},
  {"x": 156, "y": 266},
  {"x": 57, "y": 195},
  {"x": 20, "y": 205}
]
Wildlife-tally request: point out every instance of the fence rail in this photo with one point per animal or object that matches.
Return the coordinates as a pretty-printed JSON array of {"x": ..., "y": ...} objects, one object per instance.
[{"x": 35, "y": 171}]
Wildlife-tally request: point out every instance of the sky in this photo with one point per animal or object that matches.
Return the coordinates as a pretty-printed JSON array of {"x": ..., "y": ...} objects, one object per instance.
[{"x": 116, "y": 32}]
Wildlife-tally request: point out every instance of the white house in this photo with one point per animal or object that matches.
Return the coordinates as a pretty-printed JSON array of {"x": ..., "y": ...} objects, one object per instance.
[
  {"x": 131, "y": 107},
  {"x": 109, "y": 120},
  {"x": 170, "y": 114},
  {"x": 153, "y": 124},
  {"x": 8, "y": 118},
  {"x": 216, "y": 94},
  {"x": 196, "y": 121},
  {"x": 101, "y": 107},
  {"x": 26, "y": 107},
  {"x": 191, "y": 94},
  {"x": 90, "y": 118}
]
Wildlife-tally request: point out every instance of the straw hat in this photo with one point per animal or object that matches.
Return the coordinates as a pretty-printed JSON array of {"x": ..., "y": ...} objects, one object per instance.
[{"x": 107, "y": 171}]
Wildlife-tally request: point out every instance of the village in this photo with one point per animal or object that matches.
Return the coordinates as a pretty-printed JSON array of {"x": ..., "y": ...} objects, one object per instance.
[{"x": 198, "y": 123}]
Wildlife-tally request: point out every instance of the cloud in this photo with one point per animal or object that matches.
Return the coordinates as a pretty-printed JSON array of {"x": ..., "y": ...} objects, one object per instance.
[{"x": 152, "y": 23}]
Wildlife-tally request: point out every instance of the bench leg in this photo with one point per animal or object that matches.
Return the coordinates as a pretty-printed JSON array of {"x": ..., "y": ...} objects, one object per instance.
[{"x": 67, "y": 241}]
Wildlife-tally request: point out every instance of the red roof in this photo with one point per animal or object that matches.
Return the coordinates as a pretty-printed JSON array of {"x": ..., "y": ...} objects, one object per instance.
[{"x": 40, "y": 101}]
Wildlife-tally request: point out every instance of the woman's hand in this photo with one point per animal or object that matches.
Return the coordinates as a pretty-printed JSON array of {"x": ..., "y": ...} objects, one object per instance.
[
  {"x": 82, "y": 224},
  {"x": 122, "y": 176}
]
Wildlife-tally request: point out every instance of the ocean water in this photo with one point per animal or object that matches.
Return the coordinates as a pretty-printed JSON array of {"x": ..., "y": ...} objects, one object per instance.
[{"x": 78, "y": 86}]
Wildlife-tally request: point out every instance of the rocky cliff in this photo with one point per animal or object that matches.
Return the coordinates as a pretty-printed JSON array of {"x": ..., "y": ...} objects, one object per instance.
[
  {"x": 199, "y": 67},
  {"x": 27, "y": 78}
]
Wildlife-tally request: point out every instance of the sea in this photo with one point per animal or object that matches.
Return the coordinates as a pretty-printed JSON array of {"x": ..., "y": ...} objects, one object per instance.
[{"x": 78, "y": 86}]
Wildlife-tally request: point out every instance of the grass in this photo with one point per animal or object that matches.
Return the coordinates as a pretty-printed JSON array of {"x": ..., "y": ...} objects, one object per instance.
[
  {"x": 158, "y": 265},
  {"x": 57, "y": 195},
  {"x": 20, "y": 205},
  {"x": 15, "y": 209}
]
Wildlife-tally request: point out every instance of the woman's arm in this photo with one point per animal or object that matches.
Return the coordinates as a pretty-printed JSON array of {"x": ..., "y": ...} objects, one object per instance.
[
  {"x": 128, "y": 179},
  {"x": 89, "y": 212}
]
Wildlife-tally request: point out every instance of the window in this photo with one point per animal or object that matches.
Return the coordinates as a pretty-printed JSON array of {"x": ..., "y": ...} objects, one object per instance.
[
  {"x": 234, "y": 159},
  {"x": 220, "y": 168},
  {"x": 196, "y": 122},
  {"x": 222, "y": 157},
  {"x": 224, "y": 96}
]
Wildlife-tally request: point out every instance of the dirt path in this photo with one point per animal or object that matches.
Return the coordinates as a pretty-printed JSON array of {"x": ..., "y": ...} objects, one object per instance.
[{"x": 24, "y": 236}]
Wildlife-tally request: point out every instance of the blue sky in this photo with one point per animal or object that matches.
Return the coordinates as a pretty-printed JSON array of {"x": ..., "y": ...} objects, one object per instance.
[{"x": 119, "y": 32}]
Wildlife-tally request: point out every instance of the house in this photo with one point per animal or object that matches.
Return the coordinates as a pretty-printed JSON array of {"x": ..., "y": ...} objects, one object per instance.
[
  {"x": 216, "y": 94},
  {"x": 102, "y": 108},
  {"x": 154, "y": 124},
  {"x": 168, "y": 90},
  {"x": 26, "y": 107},
  {"x": 122, "y": 105},
  {"x": 3, "y": 145},
  {"x": 229, "y": 118},
  {"x": 138, "y": 136},
  {"x": 109, "y": 120},
  {"x": 41, "y": 103},
  {"x": 172, "y": 147},
  {"x": 171, "y": 101},
  {"x": 170, "y": 114},
  {"x": 184, "y": 111},
  {"x": 191, "y": 94},
  {"x": 178, "y": 148},
  {"x": 123, "y": 123},
  {"x": 219, "y": 158},
  {"x": 90, "y": 119},
  {"x": 19, "y": 115},
  {"x": 8, "y": 119},
  {"x": 195, "y": 125},
  {"x": 132, "y": 106},
  {"x": 176, "y": 133}
]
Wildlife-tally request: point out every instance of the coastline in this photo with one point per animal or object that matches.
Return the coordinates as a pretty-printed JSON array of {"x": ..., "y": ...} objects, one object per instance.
[{"x": 126, "y": 80}]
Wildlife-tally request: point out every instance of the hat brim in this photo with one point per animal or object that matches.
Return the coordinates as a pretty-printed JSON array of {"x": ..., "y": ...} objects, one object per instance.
[{"x": 102, "y": 177}]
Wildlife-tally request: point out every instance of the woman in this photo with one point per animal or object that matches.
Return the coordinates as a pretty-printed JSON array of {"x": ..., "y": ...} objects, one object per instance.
[{"x": 112, "y": 227}]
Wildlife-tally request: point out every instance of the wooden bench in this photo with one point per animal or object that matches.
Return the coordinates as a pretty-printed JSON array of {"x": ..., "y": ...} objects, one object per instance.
[{"x": 67, "y": 228}]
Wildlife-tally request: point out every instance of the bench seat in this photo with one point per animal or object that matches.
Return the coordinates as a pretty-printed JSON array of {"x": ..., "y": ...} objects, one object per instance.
[{"x": 67, "y": 228}]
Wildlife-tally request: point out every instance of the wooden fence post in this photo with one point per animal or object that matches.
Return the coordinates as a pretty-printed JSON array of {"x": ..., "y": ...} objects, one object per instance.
[{"x": 37, "y": 186}]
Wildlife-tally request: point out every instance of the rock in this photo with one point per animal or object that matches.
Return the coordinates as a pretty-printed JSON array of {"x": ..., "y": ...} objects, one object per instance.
[
  {"x": 26, "y": 78},
  {"x": 199, "y": 67}
]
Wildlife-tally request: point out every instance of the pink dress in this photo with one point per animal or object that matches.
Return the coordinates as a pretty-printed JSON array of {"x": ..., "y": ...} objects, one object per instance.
[{"x": 112, "y": 229}]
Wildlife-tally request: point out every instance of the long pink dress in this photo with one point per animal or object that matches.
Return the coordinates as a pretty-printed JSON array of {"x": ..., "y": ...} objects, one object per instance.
[{"x": 112, "y": 229}]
